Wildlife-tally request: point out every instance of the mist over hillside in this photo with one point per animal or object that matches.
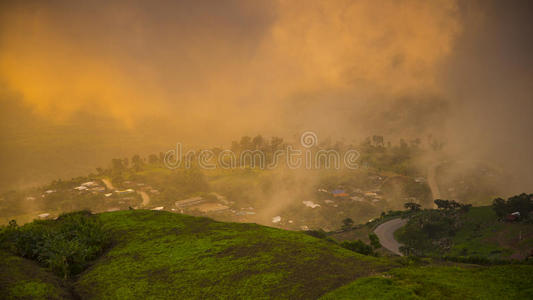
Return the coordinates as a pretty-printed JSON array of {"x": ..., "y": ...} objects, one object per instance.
[
  {"x": 76, "y": 93},
  {"x": 266, "y": 149}
]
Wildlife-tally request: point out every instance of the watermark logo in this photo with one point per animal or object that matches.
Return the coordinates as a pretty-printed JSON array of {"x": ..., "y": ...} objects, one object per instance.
[
  {"x": 307, "y": 155},
  {"x": 308, "y": 139}
]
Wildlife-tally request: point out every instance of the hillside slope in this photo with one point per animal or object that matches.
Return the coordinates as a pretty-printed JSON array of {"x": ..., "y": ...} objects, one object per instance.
[
  {"x": 476, "y": 233},
  {"x": 443, "y": 282},
  {"x": 483, "y": 235},
  {"x": 24, "y": 279},
  {"x": 164, "y": 255},
  {"x": 161, "y": 255}
]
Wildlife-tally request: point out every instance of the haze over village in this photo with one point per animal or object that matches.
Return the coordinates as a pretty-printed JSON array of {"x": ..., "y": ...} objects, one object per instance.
[{"x": 343, "y": 149}]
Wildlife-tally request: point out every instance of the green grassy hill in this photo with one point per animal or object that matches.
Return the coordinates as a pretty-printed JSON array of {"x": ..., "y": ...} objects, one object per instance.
[
  {"x": 443, "y": 282},
  {"x": 483, "y": 235},
  {"x": 477, "y": 233},
  {"x": 161, "y": 255},
  {"x": 164, "y": 255},
  {"x": 23, "y": 279}
]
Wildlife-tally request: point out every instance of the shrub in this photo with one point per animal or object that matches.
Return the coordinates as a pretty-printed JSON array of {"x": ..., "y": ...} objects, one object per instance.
[
  {"x": 359, "y": 247},
  {"x": 478, "y": 260},
  {"x": 410, "y": 260},
  {"x": 321, "y": 234},
  {"x": 65, "y": 245},
  {"x": 8, "y": 234},
  {"x": 522, "y": 203},
  {"x": 374, "y": 241},
  {"x": 347, "y": 224}
]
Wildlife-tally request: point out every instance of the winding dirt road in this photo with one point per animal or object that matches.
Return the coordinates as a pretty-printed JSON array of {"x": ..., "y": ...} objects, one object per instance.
[
  {"x": 145, "y": 197},
  {"x": 385, "y": 233}
]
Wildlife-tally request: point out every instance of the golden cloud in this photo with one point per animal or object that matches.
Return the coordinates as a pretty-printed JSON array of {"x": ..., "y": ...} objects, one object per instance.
[{"x": 142, "y": 63}]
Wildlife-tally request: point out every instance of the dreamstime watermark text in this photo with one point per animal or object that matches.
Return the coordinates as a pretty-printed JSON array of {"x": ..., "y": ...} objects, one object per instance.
[{"x": 308, "y": 156}]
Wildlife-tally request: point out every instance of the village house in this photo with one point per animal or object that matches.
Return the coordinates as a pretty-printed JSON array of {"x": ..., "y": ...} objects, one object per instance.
[
  {"x": 512, "y": 216},
  {"x": 125, "y": 192},
  {"x": 339, "y": 193},
  {"x": 44, "y": 216},
  {"x": 189, "y": 202},
  {"x": 310, "y": 204},
  {"x": 370, "y": 194}
]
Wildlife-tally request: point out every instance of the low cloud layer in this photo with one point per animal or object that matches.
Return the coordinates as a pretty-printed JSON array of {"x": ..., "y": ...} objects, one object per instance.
[
  {"x": 216, "y": 61},
  {"x": 208, "y": 71}
]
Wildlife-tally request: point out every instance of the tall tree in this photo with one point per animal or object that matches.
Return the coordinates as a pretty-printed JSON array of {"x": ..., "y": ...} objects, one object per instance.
[
  {"x": 137, "y": 162},
  {"x": 258, "y": 142}
]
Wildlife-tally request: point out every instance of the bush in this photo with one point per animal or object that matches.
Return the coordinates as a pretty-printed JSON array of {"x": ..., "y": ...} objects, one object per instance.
[
  {"x": 347, "y": 224},
  {"x": 410, "y": 260},
  {"x": 359, "y": 247},
  {"x": 522, "y": 203},
  {"x": 374, "y": 241},
  {"x": 480, "y": 260},
  {"x": 321, "y": 234},
  {"x": 8, "y": 235},
  {"x": 65, "y": 245}
]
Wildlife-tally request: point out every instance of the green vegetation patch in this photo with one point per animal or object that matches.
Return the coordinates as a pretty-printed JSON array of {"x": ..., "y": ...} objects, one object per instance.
[
  {"x": 497, "y": 282},
  {"x": 65, "y": 246},
  {"x": 473, "y": 233},
  {"x": 23, "y": 279},
  {"x": 164, "y": 255}
]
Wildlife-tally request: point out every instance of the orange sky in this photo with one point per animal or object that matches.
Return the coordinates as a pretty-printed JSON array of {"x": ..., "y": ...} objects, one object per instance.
[{"x": 238, "y": 61}]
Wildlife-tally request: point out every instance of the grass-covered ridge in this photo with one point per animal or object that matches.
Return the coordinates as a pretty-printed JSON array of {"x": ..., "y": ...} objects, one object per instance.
[
  {"x": 476, "y": 233},
  {"x": 443, "y": 282},
  {"x": 161, "y": 255},
  {"x": 65, "y": 246},
  {"x": 24, "y": 279},
  {"x": 164, "y": 255}
]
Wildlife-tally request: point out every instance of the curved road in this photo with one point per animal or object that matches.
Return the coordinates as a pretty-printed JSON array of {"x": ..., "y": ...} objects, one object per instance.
[
  {"x": 145, "y": 197},
  {"x": 385, "y": 233}
]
